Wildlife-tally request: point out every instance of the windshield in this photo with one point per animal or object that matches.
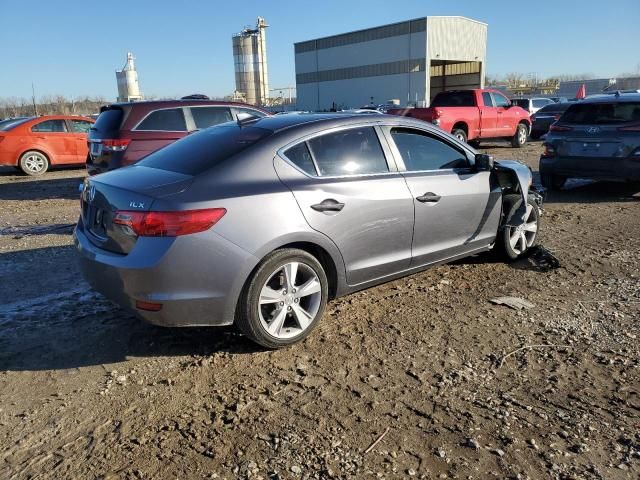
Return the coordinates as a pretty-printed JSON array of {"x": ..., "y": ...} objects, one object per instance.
[
  {"x": 6, "y": 125},
  {"x": 602, "y": 113},
  {"x": 202, "y": 150},
  {"x": 464, "y": 98}
]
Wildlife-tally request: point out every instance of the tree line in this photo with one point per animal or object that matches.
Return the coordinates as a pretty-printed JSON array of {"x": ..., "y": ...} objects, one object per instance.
[{"x": 50, "y": 105}]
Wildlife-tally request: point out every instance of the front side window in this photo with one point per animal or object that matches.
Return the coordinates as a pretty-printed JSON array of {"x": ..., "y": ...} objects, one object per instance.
[
  {"x": 208, "y": 116},
  {"x": 500, "y": 100},
  {"x": 169, "y": 120},
  {"x": 50, "y": 126},
  {"x": 420, "y": 151},
  {"x": 355, "y": 151},
  {"x": 80, "y": 126}
]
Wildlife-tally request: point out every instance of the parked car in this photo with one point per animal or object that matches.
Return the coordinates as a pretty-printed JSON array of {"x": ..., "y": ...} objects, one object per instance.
[
  {"x": 33, "y": 144},
  {"x": 543, "y": 118},
  {"x": 126, "y": 132},
  {"x": 531, "y": 105},
  {"x": 598, "y": 137},
  {"x": 559, "y": 99},
  {"x": 474, "y": 115},
  {"x": 261, "y": 222}
]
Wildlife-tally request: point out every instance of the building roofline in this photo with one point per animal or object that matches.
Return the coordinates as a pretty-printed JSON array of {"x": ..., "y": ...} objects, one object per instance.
[{"x": 393, "y": 23}]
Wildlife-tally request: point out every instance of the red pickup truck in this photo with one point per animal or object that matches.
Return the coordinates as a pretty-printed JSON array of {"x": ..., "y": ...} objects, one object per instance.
[{"x": 474, "y": 115}]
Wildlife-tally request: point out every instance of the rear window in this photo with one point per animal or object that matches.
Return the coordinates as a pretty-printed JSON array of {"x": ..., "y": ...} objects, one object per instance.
[
  {"x": 521, "y": 102},
  {"x": 541, "y": 102},
  {"x": 554, "y": 108},
  {"x": 203, "y": 150},
  {"x": 167, "y": 120},
  {"x": 6, "y": 125},
  {"x": 464, "y": 98},
  {"x": 109, "y": 120},
  {"x": 602, "y": 113}
]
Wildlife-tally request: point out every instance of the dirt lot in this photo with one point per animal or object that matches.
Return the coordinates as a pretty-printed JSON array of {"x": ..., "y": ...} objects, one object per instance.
[{"x": 457, "y": 387}]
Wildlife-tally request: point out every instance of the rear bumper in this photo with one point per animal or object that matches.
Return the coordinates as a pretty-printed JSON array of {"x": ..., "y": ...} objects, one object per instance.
[
  {"x": 197, "y": 278},
  {"x": 591, "y": 167}
]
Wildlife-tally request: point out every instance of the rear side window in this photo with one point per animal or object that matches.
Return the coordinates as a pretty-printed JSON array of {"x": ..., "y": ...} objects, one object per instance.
[
  {"x": 602, "y": 113},
  {"x": 420, "y": 151},
  {"x": 464, "y": 98},
  {"x": 301, "y": 158},
  {"x": 209, "y": 116},
  {"x": 109, "y": 120},
  {"x": 486, "y": 99},
  {"x": 168, "y": 120},
  {"x": 205, "y": 149},
  {"x": 80, "y": 126},
  {"x": 355, "y": 151},
  {"x": 50, "y": 126}
]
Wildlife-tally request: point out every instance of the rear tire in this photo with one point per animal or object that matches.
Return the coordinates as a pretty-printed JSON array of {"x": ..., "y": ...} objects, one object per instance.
[
  {"x": 552, "y": 182},
  {"x": 520, "y": 137},
  {"x": 283, "y": 299},
  {"x": 460, "y": 134},
  {"x": 34, "y": 163},
  {"x": 514, "y": 242}
]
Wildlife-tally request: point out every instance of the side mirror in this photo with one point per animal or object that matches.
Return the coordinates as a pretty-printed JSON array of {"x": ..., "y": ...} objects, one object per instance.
[{"x": 484, "y": 162}]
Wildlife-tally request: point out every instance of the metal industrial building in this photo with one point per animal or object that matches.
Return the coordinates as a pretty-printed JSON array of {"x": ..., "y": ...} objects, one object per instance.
[
  {"x": 408, "y": 62},
  {"x": 250, "y": 62}
]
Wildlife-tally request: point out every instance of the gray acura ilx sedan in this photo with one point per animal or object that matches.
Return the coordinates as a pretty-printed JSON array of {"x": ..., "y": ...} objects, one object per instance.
[{"x": 259, "y": 222}]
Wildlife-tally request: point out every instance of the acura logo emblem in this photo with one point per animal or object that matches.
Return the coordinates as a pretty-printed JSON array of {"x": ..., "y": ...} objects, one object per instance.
[{"x": 593, "y": 130}]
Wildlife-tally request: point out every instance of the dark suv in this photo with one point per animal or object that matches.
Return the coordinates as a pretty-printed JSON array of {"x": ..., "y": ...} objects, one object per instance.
[
  {"x": 598, "y": 138},
  {"x": 126, "y": 132}
]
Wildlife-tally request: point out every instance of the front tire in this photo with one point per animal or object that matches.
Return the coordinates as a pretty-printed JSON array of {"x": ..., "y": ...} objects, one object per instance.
[
  {"x": 516, "y": 241},
  {"x": 284, "y": 299},
  {"x": 520, "y": 137},
  {"x": 34, "y": 163}
]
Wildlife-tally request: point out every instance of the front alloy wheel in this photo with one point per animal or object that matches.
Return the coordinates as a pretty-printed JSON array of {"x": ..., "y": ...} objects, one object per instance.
[
  {"x": 284, "y": 299},
  {"x": 518, "y": 239}
]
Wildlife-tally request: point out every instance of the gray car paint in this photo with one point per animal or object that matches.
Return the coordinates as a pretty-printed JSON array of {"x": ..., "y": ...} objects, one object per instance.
[{"x": 199, "y": 278}]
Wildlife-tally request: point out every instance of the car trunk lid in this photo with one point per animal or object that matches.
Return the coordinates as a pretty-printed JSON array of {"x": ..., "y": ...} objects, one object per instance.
[{"x": 132, "y": 189}]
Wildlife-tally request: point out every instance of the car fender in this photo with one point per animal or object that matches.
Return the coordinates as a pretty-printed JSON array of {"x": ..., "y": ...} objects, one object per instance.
[{"x": 521, "y": 176}]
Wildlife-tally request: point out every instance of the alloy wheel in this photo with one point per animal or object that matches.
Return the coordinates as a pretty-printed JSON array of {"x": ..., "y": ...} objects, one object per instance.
[
  {"x": 522, "y": 135},
  {"x": 523, "y": 236},
  {"x": 290, "y": 300},
  {"x": 35, "y": 163}
]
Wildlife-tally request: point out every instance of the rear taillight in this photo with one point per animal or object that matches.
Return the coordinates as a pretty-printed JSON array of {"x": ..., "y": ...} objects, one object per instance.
[
  {"x": 559, "y": 128},
  {"x": 557, "y": 116},
  {"x": 168, "y": 224},
  {"x": 148, "y": 306},
  {"x": 435, "y": 116},
  {"x": 629, "y": 128},
  {"x": 116, "y": 145},
  {"x": 549, "y": 150}
]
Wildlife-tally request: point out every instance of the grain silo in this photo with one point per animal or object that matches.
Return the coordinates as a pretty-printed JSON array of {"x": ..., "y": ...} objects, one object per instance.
[
  {"x": 128, "y": 87},
  {"x": 250, "y": 62}
]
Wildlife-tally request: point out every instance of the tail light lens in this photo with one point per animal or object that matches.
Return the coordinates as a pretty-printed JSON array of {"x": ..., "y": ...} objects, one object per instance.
[
  {"x": 557, "y": 116},
  {"x": 549, "y": 150},
  {"x": 559, "y": 128},
  {"x": 116, "y": 145},
  {"x": 168, "y": 224},
  {"x": 435, "y": 116}
]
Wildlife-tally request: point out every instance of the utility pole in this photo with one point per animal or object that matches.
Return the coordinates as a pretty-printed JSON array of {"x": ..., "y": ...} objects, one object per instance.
[{"x": 33, "y": 98}]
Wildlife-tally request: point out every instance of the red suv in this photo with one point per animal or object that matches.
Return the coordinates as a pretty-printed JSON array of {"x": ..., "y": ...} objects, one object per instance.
[{"x": 126, "y": 132}]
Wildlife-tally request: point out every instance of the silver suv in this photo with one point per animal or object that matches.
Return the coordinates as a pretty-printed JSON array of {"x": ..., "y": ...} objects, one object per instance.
[{"x": 597, "y": 138}]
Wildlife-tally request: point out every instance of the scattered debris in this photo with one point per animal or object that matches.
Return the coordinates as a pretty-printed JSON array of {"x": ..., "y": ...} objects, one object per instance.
[
  {"x": 378, "y": 440},
  {"x": 516, "y": 303}
]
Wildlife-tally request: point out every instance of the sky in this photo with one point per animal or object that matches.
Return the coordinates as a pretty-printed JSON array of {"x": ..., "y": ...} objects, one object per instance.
[{"x": 73, "y": 47}]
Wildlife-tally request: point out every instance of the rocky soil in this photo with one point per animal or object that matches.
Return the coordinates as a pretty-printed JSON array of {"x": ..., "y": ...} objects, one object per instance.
[{"x": 419, "y": 378}]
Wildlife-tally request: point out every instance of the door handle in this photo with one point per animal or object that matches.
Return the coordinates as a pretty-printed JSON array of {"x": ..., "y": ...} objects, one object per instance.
[
  {"x": 328, "y": 205},
  {"x": 429, "y": 197}
]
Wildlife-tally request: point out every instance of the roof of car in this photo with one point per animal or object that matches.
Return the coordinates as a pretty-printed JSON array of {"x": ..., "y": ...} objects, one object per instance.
[
  {"x": 608, "y": 98},
  {"x": 150, "y": 104}
]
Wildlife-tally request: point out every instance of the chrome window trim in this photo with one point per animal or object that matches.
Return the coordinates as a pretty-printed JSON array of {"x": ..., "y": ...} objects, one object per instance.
[{"x": 391, "y": 164}]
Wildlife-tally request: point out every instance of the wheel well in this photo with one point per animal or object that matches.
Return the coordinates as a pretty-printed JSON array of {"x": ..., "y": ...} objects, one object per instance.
[
  {"x": 525, "y": 123},
  {"x": 461, "y": 126},
  {"x": 325, "y": 260},
  {"x": 34, "y": 150}
]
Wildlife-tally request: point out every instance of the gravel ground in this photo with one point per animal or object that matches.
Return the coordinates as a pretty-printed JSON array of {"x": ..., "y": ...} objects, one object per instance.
[{"x": 450, "y": 384}]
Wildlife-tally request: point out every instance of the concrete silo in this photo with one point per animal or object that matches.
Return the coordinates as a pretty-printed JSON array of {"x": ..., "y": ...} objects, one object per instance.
[
  {"x": 250, "y": 62},
  {"x": 128, "y": 87}
]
